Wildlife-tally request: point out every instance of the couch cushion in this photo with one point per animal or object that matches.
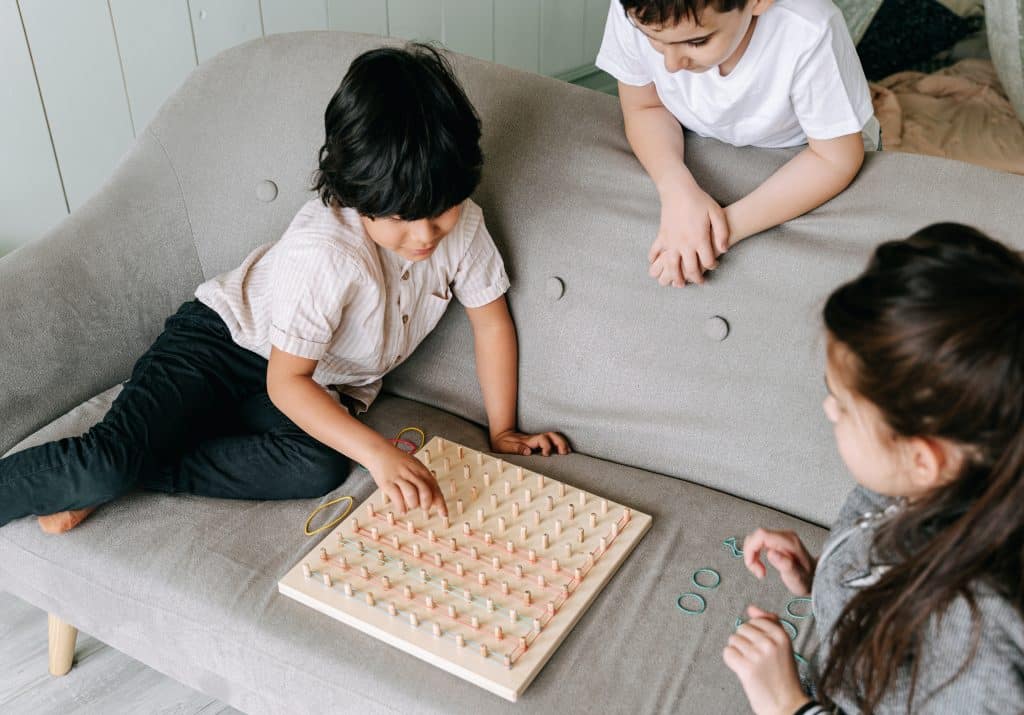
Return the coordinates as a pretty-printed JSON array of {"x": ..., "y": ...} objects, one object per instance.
[{"x": 188, "y": 586}]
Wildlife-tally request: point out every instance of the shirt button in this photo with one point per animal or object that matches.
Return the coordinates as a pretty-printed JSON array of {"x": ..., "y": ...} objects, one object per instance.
[
  {"x": 405, "y": 320},
  {"x": 405, "y": 276}
]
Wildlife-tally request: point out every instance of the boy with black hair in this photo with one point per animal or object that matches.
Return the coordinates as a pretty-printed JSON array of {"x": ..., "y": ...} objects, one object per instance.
[
  {"x": 246, "y": 394},
  {"x": 761, "y": 73}
]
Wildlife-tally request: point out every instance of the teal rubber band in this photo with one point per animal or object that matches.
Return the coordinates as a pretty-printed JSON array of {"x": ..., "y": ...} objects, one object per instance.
[
  {"x": 798, "y": 616},
  {"x": 691, "y": 611},
  {"x": 730, "y": 544},
  {"x": 698, "y": 584},
  {"x": 799, "y": 658},
  {"x": 790, "y": 629}
]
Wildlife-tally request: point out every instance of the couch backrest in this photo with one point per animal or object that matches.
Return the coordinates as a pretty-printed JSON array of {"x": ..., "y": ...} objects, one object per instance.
[{"x": 631, "y": 372}]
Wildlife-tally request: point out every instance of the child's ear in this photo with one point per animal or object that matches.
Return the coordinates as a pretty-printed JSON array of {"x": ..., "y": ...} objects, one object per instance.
[
  {"x": 759, "y": 6},
  {"x": 933, "y": 462}
]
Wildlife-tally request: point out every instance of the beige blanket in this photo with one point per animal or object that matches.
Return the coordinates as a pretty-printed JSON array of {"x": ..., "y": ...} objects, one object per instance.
[{"x": 959, "y": 112}]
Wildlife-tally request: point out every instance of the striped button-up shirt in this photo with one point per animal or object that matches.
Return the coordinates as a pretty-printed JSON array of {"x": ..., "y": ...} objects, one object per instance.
[{"x": 325, "y": 291}]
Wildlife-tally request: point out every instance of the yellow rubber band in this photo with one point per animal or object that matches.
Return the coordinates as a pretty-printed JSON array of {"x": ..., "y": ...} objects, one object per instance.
[
  {"x": 351, "y": 502},
  {"x": 417, "y": 430}
]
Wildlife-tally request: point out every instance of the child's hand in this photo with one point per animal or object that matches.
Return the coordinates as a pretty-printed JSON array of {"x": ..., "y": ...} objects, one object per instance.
[
  {"x": 694, "y": 232},
  {"x": 512, "y": 442},
  {"x": 786, "y": 553},
  {"x": 406, "y": 481},
  {"x": 760, "y": 654}
]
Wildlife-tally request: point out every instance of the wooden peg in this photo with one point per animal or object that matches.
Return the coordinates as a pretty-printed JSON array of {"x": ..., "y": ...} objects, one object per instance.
[
  {"x": 465, "y": 471},
  {"x": 426, "y": 456},
  {"x": 459, "y": 506},
  {"x": 474, "y": 623},
  {"x": 498, "y": 633},
  {"x": 438, "y": 561},
  {"x": 545, "y": 541},
  {"x": 540, "y": 481},
  {"x": 481, "y": 578},
  {"x": 370, "y": 600},
  {"x": 369, "y": 510},
  {"x": 441, "y": 444},
  {"x": 561, "y": 490},
  {"x": 577, "y": 573},
  {"x": 479, "y": 459},
  {"x": 466, "y": 530},
  {"x": 323, "y": 554},
  {"x": 306, "y": 570},
  {"x": 604, "y": 544},
  {"x": 431, "y": 536},
  {"x": 604, "y": 507},
  {"x": 531, "y": 556},
  {"x": 407, "y": 592},
  {"x": 508, "y": 488},
  {"x": 495, "y": 563},
  {"x": 549, "y": 503},
  {"x": 483, "y": 651},
  {"x": 467, "y": 595},
  {"x": 474, "y": 553},
  {"x": 494, "y": 501},
  {"x": 527, "y": 497},
  {"x": 364, "y": 572},
  {"x": 385, "y": 582},
  {"x": 488, "y": 538},
  {"x": 593, "y": 520},
  {"x": 487, "y": 479},
  {"x": 501, "y": 466},
  {"x": 447, "y": 464},
  {"x": 327, "y": 580},
  {"x": 361, "y": 547},
  {"x": 558, "y": 528},
  {"x": 510, "y": 547},
  {"x": 392, "y": 609},
  {"x": 519, "y": 570},
  {"x": 344, "y": 562},
  {"x": 513, "y": 615},
  {"x": 355, "y": 526},
  {"x": 348, "y": 589},
  {"x": 527, "y": 598},
  {"x": 627, "y": 513},
  {"x": 504, "y": 588},
  {"x": 515, "y": 510},
  {"x": 424, "y": 577},
  {"x": 551, "y": 608},
  {"x": 381, "y": 557},
  {"x": 614, "y": 531},
  {"x": 428, "y": 601},
  {"x": 416, "y": 550},
  {"x": 462, "y": 452},
  {"x": 391, "y": 518},
  {"x": 501, "y": 525},
  {"x": 571, "y": 511},
  {"x": 453, "y": 545},
  {"x": 414, "y": 620},
  {"x": 565, "y": 590},
  {"x": 410, "y": 527},
  {"x": 522, "y": 643},
  {"x": 452, "y": 613},
  {"x": 480, "y": 517},
  {"x": 540, "y": 580},
  {"x": 507, "y": 661},
  {"x": 375, "y": 533},
  {"x": 583, "y": 498},
  {"x": 460, "y": 570},
  {"x": 474, "y": 493},
  {"x": 519, "y": 474},
  {"x": 460, "y": 641},
  {"x": 537, "y": 625},
  {"x": 489, "y": 604},
  {"x": 451, "y": 488},
  {"x": 522, "y": 533},
  {"x": 395, "y": 543},
  {"x": 554, "y": 565},
  {"x": 436, "y": 628},
  {"x": 444, "y": 585},
  {"x": 403, "y": 566},
  {"x": 580, "y": 537},
  {"x": 568, "y": 550},
  {"x": 536, "y": 518}
]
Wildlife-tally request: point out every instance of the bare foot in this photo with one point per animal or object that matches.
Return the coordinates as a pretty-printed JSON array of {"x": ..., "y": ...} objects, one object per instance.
[{"x": 64, "y": 521}]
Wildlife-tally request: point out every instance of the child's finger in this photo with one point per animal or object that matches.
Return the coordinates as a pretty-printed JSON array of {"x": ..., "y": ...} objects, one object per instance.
[
  {"x": 706, "y": 256},
  {"x": 423, "y": 492},
  {"x": 758, "y": 612},
  {"x": 561, "y": 442},
  {"x": 541, "y": 442},
  {"x": 720, "y": 231},
  {"x": 395, "y": 495},
  {"x": 691, "y": 268},
  {"x": 752, "y": 546},
  {"x": 442, "y": 505},
  {"x": 409, "y": 494}
]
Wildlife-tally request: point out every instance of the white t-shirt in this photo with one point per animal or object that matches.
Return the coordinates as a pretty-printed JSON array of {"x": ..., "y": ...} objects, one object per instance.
[
  {"x": 799, "y": 77},
  {"x": 325, "y": 291}
]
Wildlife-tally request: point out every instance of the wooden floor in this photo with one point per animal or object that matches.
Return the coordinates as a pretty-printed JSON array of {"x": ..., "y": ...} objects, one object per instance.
[{"x": 103, "y": 680}]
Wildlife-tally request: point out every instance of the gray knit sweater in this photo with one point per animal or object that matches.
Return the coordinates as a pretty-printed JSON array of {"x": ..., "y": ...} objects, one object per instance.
[{"x": 993, "y": 681}]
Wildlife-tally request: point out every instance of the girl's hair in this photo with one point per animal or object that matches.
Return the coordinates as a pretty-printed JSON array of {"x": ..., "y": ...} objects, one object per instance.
[
  {"x": 402, "y": 138},
  {"x": 933, "y": 333}
]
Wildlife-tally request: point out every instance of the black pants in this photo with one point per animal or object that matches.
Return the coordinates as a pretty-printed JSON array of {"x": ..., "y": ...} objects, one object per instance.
[{"x": 194, "y": 417}]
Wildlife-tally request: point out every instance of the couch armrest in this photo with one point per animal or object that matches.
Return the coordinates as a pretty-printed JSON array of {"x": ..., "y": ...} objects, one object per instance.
[{"x": 79, "y": 305}]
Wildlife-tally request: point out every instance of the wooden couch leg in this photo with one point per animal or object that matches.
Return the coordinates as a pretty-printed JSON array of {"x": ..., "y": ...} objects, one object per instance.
[{"x": 62, "y": 645}]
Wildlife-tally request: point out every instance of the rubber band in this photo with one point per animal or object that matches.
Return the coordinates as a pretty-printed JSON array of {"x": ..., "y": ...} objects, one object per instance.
[
  {"x": 798, "y": 616},
  {"x": 706, "y": 587},
  {"x": 400, "y": 443},
  {"x": 730, "y": 544},
  {"x": 691, "y": 611},
  {"x": 417, "y": 430},
  {"x": 790, "y": 629},
  {"x": 799, "y": 658},
  {"x": 351, "y": 503}
]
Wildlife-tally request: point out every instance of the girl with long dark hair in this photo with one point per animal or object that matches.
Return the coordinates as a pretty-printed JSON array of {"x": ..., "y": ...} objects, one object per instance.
[{"x": 918, "y": 594}]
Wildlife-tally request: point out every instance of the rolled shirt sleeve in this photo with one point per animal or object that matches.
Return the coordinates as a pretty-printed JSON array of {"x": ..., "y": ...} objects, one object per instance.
[{"x": 480, "y": 277}]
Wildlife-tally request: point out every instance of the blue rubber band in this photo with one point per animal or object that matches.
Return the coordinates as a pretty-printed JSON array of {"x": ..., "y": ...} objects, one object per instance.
[
  {"x": 799, "y": 658},
  {"x": 691, "y": 611},
  {"x": 790, "y": 629},
  {"x": 730, "y": 544},
  {"x": 698, "y": 584},
  {"x": 798, "y": 616}
]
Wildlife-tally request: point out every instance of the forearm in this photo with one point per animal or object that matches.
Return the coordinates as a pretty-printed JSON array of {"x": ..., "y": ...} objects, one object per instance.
[
  {"x": 657, "y": 140},
  {"x": 309, "y": 406},
  {"x": 805, "y": 182},
  {"x": 497, "y": 366}
]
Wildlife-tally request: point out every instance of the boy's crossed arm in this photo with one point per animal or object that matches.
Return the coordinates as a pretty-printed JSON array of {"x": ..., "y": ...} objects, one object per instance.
[
  {"x": 406, "y": 481},
  {"x": 694, "y": 230}
]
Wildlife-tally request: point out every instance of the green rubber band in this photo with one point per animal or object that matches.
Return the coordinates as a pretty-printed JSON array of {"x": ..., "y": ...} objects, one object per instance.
[
  {"x": 790, "y": 629},
  {"x": 730, "y": 544},
  {"x": 698, "y": 584},
  {"x": 799, "y": 658},
  {"x": 691, "y": 611},
  {"x": 798, "y": 616}
]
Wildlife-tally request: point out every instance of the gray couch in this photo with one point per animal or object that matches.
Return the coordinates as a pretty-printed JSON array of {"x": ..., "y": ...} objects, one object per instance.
[{"x": 699, "y": 406}]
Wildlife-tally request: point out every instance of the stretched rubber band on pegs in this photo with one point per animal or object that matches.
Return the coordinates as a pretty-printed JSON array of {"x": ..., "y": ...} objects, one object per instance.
[
  {"x": 351, "y": 502},
  {"x": 698, "y": 584},
  {"x": 691, "y": 611},
  {"x": 798, "y": 616}
]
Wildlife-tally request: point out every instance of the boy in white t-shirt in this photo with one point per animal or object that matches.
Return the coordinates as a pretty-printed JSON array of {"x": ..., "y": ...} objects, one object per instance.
[{"x": 746, "y": 72}]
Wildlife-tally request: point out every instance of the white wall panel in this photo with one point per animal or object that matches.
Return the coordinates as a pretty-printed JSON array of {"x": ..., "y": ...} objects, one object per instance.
[{"x": 220, "y": 24}]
